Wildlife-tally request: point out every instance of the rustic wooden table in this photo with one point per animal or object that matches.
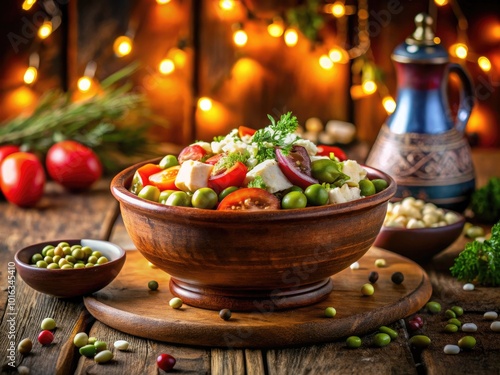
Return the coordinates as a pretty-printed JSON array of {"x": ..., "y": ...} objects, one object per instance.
[{"x": 94, "y": 214}]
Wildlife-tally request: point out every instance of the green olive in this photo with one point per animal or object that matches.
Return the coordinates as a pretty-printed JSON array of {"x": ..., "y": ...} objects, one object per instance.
[
  {"x": 102, "y": 260},
  {"x": 41, "y": 264},
  {"x": 330, "y": 312},
  {"x": 294, "y": 199},
  {"x": 205, "y": 198},
  {"x": 224, "y": 193},
  {"x": 53, "y": 266},
  {"x": 467, "y": 342},
  {"x": 326, "y": 170},
  {"x": 150, "y": 193},
  {"x": 153, "y": 285},
  {"x": 392, "y": 333},
  {"x": 457, "y": 310},
  {"x": 47, "y": 248},
  {"x": 100, "y": 345},
  {"x": 104, "y": 356},
  {"x": 88, "y": 350},
  {"x": 367, "y": 289},
  {"x": 80, "y": 339},
  {"x": 25, "y": 346},
  {"x": 381, "y": 339},
  {"x": 433, "y": 307},
  {"x": 178, "y": 198},
  {"x": 448, "y": 314},
  {"x": 316, "y": 195},
  {"x": 36, "y": 257},
  {"x": 168, "y": 161},
  {"x": 367, "y": 188},
  {"x": 420, "y": 341},
  {"x": 451, "y": 328},
  {"x": 379, "y": 184},
  {"x": 353, "y": 342}
]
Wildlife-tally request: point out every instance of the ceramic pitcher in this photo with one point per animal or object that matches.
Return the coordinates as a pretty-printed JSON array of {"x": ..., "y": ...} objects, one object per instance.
[{"x": 420, "y": 145}]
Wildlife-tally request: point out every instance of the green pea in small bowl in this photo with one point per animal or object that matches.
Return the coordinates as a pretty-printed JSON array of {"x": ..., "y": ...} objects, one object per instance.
[{"x": 67, "y": 283}]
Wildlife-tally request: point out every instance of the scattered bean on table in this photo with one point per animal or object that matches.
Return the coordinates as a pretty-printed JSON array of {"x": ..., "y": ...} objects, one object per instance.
[{"x": 451, "y": 349}]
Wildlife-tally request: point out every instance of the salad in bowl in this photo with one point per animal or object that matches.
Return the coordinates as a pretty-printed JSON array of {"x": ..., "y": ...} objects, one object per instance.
[{"x": 246, "y": 170}]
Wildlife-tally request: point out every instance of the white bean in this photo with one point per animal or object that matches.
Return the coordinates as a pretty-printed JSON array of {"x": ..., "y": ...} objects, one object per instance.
[
  {"x": 451, "y": 349},
  {"x": 469, "y": 327},
  {"x": 490, "y": 315},
  {"x": 121, "y": 345},
  {"x": 468, "y": 287},
  {"x": 495, "y": 326}
]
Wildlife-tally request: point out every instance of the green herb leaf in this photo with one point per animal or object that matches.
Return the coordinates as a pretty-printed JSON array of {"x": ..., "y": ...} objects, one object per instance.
[
  {"x": 257, "y": 182},
  {"x": 485, "y": 202}
]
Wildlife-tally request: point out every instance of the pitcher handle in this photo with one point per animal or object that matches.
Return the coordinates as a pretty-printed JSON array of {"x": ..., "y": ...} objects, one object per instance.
[{"x": 467, "y": 97}]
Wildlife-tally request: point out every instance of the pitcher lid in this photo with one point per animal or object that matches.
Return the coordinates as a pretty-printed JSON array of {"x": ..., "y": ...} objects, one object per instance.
[{"x": 420, "y": 47}]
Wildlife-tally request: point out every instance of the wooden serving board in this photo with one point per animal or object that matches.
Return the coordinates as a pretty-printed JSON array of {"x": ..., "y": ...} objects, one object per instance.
[{"x": 129, "y": 306}]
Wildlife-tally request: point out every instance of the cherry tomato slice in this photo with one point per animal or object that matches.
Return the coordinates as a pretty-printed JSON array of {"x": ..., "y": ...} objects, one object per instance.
[
  {"x": 249, "y": 199},
  {"x": 324, "y": 150},
  {"x": 7, "y": 150},
  {"x": 192, "y": 152},
  {"x": 141, "y": 176},
  {"x": 214, "y": 159},
  {"x": 233, "y": 176},
  {"x": 245, "y": 131},
  {"x": 296, "y": 166},
  {"x": 165, "y": 180}
]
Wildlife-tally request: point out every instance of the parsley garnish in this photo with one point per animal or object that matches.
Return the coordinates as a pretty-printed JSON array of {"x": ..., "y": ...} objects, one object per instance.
[
  {"x": 485, "y": 201},
  {"x": 277, "y": 134},
  {"x": 480, "y": 261},
  {"x": 229, "y": 160},
  {"x": 257, "y": 182}
]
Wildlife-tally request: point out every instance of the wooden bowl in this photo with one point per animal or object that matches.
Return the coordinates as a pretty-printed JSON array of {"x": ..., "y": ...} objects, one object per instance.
[
  {"x": 420, "y": 244},
  {"x": 256, "y": 260},
  {"x": 70, "y": 282}
]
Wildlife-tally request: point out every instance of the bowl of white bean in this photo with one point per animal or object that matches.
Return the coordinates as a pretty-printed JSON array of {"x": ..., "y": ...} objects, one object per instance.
[{"x": 419, "y": 230}]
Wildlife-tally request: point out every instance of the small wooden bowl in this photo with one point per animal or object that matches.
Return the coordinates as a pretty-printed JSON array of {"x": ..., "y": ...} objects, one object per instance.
[
  {"x": 255, "y": 260},
  {"x": 70, "y": 282},
  {"x": 420, "y": 244}
]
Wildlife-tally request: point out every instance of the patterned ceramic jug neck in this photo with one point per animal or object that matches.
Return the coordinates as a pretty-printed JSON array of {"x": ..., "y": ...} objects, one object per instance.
[{"x": 423, "y": 68}]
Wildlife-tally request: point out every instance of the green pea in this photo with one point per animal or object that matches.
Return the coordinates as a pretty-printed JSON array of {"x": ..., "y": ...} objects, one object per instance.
[
  {"x": 104, "y": 356},
  {"x": 102, "y": 260},
  {"x": 81, "y": 339},
  {"x": 88, "y": 265},
  {"x": 455, "y": 321},
  {"x": 100, "y": 345},
  {"x": 294, "y": 199},
  {"x": 63, "y": 244},
  {"x": 70, "y": 259},
  {"x": 36, "y": 257},
  {"x": 62, "y": 262},
  {"x": 316, "y": 195},
  {"x": 381, "y": 339},
  {"x": 379, "y": 184},
  {"x": 92, "y": 259},
  {"x": 79, "y": 265},
  {"x": 457, "y": 310},
  {"x": 164, "y": 196},
  {"x": 53, "y": 266},
  {"x": 67, "y": 250},
  {"x": 205, "y": 198},
  {"x": 87, "y": 251},
  {"x": 78, "y": 254},
  {"x": 97, "y": 254},
  {"x": 433, "y": 307},
  {"x": 392, "y": 333},
  {"x": 150, "y": 193},
  {"x": 56, "y": 258},
  {"x": 420, "y": 341},
  {"x": 47, "y": 248},
  {"x": 367, "y": 188},
  {"x": 451, "y": 328},
  {"x": 449, "y": 314},
  {"x": 178, "y": 198},
  {"x": 67, "y": 266},
  {"x": 59, "y": 251},
  {"x": 168, "y": 161},
  {"x": 175, "y": 303},
  {"x": 41, "y": 264},
  {"x": 50, "y": 253},
  {"x": 25, "y": 346},
  {"x": 224, "y": 193},
  {"x": 294, "y": 188},
  {"x": 367, "y": 289},
  {"x": 153, "y": 285},
  {"x": 353, "y": 342},
  {"x": 467, "y": 342},
  {"x": 48, "y": 260},
  {"x": 88, "y": 350},
  {"x": 330, "y": 312}
]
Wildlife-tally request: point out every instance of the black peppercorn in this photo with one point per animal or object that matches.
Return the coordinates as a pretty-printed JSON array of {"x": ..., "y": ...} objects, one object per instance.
[
  {"x": 225, "y": 314},
  {"x": 397, "y": 277},
  {"x": 373, "y": 277}
]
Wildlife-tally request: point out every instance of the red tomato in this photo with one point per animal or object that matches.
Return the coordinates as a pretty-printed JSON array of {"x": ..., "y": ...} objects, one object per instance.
[
  {"x": 22, "y": 179},
  {"x": 193, "y": 152},
  {"x": 141, "y": 176},
  {"x": 214, "y": 159},
  {"x": 324, "y": 150},
  {"x": 73, "y": 165},
  {"x": 296, "y": 166},
  {"x": 165, "y": 362},
  {"x": 165, "y": 180},
  {"x": 249, "y": 199},
  {"x": 244, "y": 131},
  {"x": 7, "y": 150},
  {"x": 45, "y": 337},
  {"x": 233, "y": 176}
]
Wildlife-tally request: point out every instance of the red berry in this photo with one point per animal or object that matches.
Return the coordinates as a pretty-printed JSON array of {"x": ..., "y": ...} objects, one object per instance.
[
  {"x": 414, "y": 325},
  {"x": 165, "y": 361},
  {"x": 418, "y": 319},
  {"x": 45, "y": 337}
]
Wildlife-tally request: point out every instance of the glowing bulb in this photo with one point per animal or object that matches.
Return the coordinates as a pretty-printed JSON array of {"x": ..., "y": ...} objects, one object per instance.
[
  {"x": 275, "y": 29},
  {"x": 325, "y": 62},
  {"x": 205, "y": 104},
  {"x": 291, "y": 37},
  {"x": 84, "y": 84},
  {"x": 338, "y": 55},
  {"x": 27, "y": 4},
  {"x": 166, "y": 66},
  {"x": 163, "y": 2},
  {"x": 30, "y": 75},
  {"x": 122, "y": 46},
  {"x": 389, "y": 104},
  {"x": 178, "y": 56},
  {"x": 240, "y": 38},
  {"x": 369, "y": 87},
  {"x": 338, "y": 9},
  {"x": 437, "y": 40},
  {"x": 459, "y": 50},
  {"x": 45, "y": 30},
  {"x": 440, "y": 3},
  {"x": 226, "y": 4},
  {"x": 484, "y": 63}
]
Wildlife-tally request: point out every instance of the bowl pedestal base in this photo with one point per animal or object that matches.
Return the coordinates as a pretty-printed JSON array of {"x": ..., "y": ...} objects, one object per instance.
[{"x": 251, "y": 300}]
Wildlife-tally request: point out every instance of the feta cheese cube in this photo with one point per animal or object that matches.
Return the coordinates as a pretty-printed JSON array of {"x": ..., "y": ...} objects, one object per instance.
[
  {"x": 193, "y": 175},
  {"x": 271, "y": 174},
  {"x": 343, "y": 194},
  {"x": 354, "y": 170}
]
